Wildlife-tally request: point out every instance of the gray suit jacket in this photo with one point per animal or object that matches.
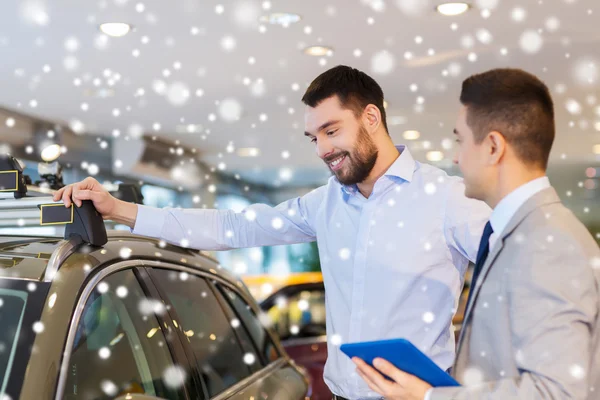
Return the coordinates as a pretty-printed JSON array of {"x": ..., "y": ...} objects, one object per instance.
[{"x": 532, "y": 331}]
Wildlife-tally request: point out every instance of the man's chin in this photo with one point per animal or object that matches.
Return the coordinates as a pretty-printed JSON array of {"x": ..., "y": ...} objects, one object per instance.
[{"x": 471, "y": 193}]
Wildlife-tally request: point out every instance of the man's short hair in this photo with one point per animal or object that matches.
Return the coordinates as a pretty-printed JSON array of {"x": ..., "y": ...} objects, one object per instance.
[
  {"x": 354, "y": 89},
  {"x": 515, "y": 103}
]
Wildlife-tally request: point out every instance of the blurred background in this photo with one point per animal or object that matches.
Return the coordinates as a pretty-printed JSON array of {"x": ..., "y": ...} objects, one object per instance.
[{"x": 198, "y": 102}]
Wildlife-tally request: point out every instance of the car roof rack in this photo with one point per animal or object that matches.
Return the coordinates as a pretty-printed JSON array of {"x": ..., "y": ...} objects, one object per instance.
[{"x": 83, "y": 224}]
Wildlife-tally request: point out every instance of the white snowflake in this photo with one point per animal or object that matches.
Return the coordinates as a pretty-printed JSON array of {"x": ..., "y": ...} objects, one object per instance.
[
  {"x": 125, "y": 252},
  {"x": 345, "y": 253},
  {"x": 174, "y": 376},
  {"x": 336, "y": 339},
  {"x": 531, "y": 41},
  {"x": 472, "y": 376},
  {"x": 109, "y": 388},
  {"x": 103, "y": 287},
  {"x": 382, "y": 63},
  {"x": 38, "y": 327},
  {"x": 228, "y": 43},
  {"x": 277, "y": 223},
  {"x": 577, "y": 371},
  {"x": 428, "y": 317},
  {"x": 104, "y": 353},
  {"x": 249, "y": 358}
]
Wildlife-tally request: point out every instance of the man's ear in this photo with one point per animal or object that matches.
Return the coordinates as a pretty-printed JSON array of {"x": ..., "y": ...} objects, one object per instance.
[
  {"x": 496, "y": 143},
  {"x": 372, "y": 117}
]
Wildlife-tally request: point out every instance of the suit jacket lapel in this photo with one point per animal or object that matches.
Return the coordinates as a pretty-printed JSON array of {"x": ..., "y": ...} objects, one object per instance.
[{"x": 546, "y": 196}]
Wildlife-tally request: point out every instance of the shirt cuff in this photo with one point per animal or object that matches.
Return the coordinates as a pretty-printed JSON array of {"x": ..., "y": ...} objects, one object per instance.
[
  {"x": 149, "y": 221},
  {"x": 428, "y": 394}
]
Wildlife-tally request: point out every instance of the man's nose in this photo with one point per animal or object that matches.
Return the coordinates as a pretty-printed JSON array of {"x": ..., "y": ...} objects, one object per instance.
[{"x": 324, "y": 147}]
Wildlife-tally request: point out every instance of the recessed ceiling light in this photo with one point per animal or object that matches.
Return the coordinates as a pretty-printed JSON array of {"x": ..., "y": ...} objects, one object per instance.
[
  {"x": 115, "y": 29},
  {"x": 248, "y": 152},
  {"x": 385, "y": 104},
  {"x": 318, "y": 51},
  {"x": 435, "y": 156},
  {"x": 454, "y": 8},
  {"x": 411, "y": 135},
  {"x": 596, "y": 149},
  {"x": 283, "y": 19}
]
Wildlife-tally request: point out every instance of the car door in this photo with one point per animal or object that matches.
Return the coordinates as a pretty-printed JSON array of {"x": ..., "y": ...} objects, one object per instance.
[
  {"x": 118, "y": 343},
  {"x": 298, "y": 315},
  {"x": 226, "y": 357}
]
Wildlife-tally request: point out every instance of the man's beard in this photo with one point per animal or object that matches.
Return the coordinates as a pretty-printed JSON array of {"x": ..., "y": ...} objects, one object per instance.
[{"x": 360, "y": 163}]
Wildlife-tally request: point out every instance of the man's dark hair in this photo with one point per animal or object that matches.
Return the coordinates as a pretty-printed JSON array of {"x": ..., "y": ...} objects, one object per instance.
[
  {"x": 354, "y": 88},
  {"x": 516, "y": 104}
]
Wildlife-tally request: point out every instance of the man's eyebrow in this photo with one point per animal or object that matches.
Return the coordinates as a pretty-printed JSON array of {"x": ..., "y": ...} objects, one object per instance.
[{"x": 324, "y": 126}]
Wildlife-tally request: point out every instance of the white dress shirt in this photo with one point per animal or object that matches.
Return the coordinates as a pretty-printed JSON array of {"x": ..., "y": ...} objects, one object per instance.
[
  {"x": 393, "y": 264},
  {"x": 507, "y": 208}
]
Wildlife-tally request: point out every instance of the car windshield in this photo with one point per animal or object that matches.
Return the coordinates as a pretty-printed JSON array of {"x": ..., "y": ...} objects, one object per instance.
[{"x": 12, "y": 310}]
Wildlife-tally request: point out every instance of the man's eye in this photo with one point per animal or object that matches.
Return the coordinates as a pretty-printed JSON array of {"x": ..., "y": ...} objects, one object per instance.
[
  {"x": 313, "y": 140},
  {"x": 331, "y": 132}
]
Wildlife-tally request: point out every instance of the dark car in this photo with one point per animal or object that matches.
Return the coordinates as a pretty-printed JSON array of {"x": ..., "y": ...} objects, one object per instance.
[{"x": 119, "y": 316}]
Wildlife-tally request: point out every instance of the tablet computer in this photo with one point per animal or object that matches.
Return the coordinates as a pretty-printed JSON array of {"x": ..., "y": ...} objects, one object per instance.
[{"x": 404, "y": 355}]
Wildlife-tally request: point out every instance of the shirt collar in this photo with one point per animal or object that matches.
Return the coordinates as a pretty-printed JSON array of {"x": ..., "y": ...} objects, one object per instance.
[
  {"x": 403, "y": 167},
  {"x": 510, "y": 204}
]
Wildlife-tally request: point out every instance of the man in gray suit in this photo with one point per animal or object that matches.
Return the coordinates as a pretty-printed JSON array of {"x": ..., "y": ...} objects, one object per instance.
[{"x": 531, "y": 326}]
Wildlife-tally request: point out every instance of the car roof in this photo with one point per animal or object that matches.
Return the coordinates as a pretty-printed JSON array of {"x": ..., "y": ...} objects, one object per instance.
[{"x": 26, "y": 257}]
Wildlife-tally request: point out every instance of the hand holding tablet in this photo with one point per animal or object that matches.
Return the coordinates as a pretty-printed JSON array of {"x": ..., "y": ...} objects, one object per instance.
[{"x": 404, "y": 356}]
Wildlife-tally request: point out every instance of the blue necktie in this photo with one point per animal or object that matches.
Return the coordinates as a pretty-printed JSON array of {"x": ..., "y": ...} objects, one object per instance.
[{"x": 482, "y": 253}]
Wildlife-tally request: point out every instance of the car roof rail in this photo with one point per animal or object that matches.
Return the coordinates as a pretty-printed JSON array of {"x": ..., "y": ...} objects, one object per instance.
[{"x": 82, "y": 224}]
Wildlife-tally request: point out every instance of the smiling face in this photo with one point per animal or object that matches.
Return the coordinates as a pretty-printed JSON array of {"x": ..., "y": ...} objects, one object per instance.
[{"x": 341, "y": 141}]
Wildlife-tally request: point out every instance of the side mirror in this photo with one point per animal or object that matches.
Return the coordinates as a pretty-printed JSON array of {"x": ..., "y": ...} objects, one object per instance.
[{"x": 136, "y": 396}]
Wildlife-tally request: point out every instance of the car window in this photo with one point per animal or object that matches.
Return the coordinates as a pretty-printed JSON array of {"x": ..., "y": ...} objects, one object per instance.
[
  {"x": 219, "y": 355},
  {"x": 251, "y": 322},
  {"x": 119, "y": 346},
  {"x": 300, "y": 315},
  {"x": 12, "y": 309}
]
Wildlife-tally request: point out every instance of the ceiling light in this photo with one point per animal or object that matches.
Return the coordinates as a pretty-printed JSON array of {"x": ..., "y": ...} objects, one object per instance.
[
  {"x": 435, "y": 156},
  {"x": 115, "y": 29},
  {"x": 596, "y": 149},
  {"x": 385, "y": 104},
  {"x": 318, "y": 51},
  {"x": 283, "y": 19},
  {"x": 411, "y": 135},
  {"x": 51, "y": 152},
  {"x": 248, "y": 152},
  {"x": 451, "y": 9}
]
